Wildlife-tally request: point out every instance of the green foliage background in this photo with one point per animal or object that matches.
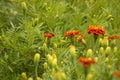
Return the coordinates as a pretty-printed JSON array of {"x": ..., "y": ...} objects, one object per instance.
[{"x": 21, "y": 36}]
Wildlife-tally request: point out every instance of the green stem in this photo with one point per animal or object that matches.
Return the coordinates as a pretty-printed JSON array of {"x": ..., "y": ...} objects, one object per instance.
[
  {"x": 36, "y": 66},
  {"x": 85, "y": 72}
]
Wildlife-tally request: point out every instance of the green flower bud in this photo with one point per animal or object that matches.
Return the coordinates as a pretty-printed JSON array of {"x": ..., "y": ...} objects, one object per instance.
[
  {"x": 50, "y": 59},
  {"x": 96, "y": 59},
  {"x": 30, "y": 78},
  {"x": 101, "y": 50},
  {"x": 45, "y": 65},
  {"x": 89, "y": 77},
  {"x": 36, "y": 58},
  {"x": 63, "y": 75},
  {"x": 44, "y": 46},
  {"x": 115, "y": 50},
  {"x": 54, "y": 62},
  {"x": 107, "y": 51},
  {"x": 24, "y": 76},
  {"x": 24, "y": 6},
  {"x": 72, "y": 50},
  {"x": 105, "y": 41},
  {"x": 109, "y": 66},
  {"x": 106, "y": 59},
  {"x": 54, "y": 55},
  {"x": 55, "y": 45},
  {"x": 89, "y": 53},
  {"x": 38, "y": 78},
  {"x": 101, "y": 42}
]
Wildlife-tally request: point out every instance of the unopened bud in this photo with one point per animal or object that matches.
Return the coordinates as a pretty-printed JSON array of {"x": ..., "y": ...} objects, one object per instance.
[
  {"x": 24, "y": 76},
  {"x": 89, "y": 53},
  {"x": 44, "y": 46},
  {"x": 38, "y": 78},
  {"x": 24, "y": 6},
  {"x": 89, "y": 76},
  {"x": 101, "y": 42},
  {"x": 109, "y": 66},
  {"x": 115, "y": 50},
  {"x": 54, "y": 55},
  {"x": 45, "y": 65},
  {"x": 50, "y": 59},
  {"x": 36, "y": 58},
  {"x": 72, "y": 50},
  {"x": 96, "y": 59},
  {"x": 63, "y": 75},
  {"x": 107, "y": 51},
  {"x": 101, "y": 50},
  {"x": 54, "y": 62},
  {"x": 57, "y": 75},
  {"x": 55, "y": 45},
  {"x": 106, "y": 59},
  {"x": 30, "y": 78},
  {"x": 105, "y": 41}
]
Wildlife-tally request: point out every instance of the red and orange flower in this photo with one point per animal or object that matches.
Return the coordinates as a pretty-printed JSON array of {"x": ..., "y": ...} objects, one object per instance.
[
  {"x": 86, "y": 61},
  {"x": 96, "y": 30},
  {"x": 117, "y": 74},
  {"x": 49, "y": 35},
  {"x": 113, "y": 37},
  {"x": 71, "y": 33}
]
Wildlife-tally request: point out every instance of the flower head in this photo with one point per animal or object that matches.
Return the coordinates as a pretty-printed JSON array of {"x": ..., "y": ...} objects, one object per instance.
[
  {"x": 49, "y": 35},
  {"x": 96, "y": 30},
  {"x": 117, "y": 74},
  {"x": 79, "y": 38},
  {"x": 86, "y": 61},
  {"x": 71, "y": 33},
  {"x": 113, "y": 37}
]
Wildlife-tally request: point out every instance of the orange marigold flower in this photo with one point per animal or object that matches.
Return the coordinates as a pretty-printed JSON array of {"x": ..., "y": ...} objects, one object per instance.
[
  {"x": 71, "y": 33},
  {"x": 97, "y": 30},
  {"x": 117, "y": 73},
  {"x": 49, "y": 35},
  {"x": 113, "y": 37},
  {"x": 79, "y": 38},
  {"x": 86, "y": 61}
]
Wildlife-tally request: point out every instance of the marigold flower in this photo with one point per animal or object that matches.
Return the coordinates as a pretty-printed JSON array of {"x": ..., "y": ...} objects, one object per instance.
[
  {"x": 71, "y": 33},
  {"x": 117, "y": 74},
  {"x": 79, "y": 38},
  {"x": 86, "y": 61},
  {"x": 49, "y": 35},
  {"x": 96, "y": 30},
  {"x": 113, "y": 37}
]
